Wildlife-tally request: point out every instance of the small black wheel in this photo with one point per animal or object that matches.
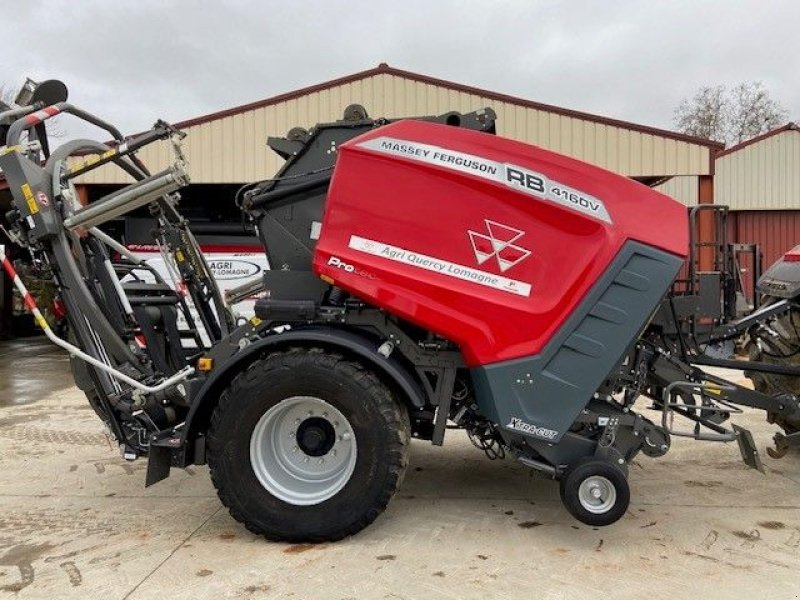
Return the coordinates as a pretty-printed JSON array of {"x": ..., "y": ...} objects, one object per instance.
[
  {"x": 307, "y": 446},
  {"x": 595, "y": 492}
]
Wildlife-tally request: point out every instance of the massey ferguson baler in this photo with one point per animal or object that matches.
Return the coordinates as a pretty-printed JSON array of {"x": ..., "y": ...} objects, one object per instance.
[{"x": 426, "y": 275}]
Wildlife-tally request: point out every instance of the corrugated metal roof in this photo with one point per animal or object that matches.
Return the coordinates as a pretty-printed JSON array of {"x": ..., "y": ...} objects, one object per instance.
[
  {"x": 788, "y": 127},
  {"x": 385, "y": 69},
  {"x": 229, "y": 146}
]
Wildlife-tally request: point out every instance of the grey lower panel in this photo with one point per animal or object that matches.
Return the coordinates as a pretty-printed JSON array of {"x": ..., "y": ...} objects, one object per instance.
[{"x": 540, "y": 396}]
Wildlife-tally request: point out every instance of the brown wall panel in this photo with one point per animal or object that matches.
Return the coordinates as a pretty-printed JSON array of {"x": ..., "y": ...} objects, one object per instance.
[{"x": 776, "y": 231}]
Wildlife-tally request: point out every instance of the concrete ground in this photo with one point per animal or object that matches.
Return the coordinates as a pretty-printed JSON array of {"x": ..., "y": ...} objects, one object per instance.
[{"x": 76, "y": 522}]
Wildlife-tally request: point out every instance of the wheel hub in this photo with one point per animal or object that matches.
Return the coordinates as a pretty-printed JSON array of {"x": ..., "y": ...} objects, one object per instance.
[
  {"x": 316, "y": 436},
  {"x": 597, "y": 494},
  {"x": 303, "y": 450}
]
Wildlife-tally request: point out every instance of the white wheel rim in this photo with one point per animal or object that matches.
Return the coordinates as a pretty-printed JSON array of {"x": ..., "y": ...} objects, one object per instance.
[
  {"x": 303, "y": 450},
  {"x": 597, "y": 494}
]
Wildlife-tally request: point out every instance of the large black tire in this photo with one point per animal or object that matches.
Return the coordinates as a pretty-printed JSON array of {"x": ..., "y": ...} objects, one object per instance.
[
  {"x": 380, "y": 426},
  {"x": 605, "y": 473},
  {"x": 783, "y": 350}
]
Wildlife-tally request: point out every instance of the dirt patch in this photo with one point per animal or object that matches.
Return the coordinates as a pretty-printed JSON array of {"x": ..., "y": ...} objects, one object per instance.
[
  {"x": 300, "y": 548},
  {"x": 751, "y": 536},
  {"x": 771, "y": 524},
  {"x": 22, "y": 557},
  {"x": 13, "y": 420},
  {"x": 386, "y": 557},
  {"x": 701, "y": 484},
  {"x": 650, "y": 524},
  {"x": 716, "y": 560},
  {"x": 254, "y": 589},
  {"x": 72, "y": 571},
  {"x": 24, "y": 553},
  {"x": 54, "y": 436},
  {"x": 55, "y": 521},
  {"x": 528, "y": 524}
]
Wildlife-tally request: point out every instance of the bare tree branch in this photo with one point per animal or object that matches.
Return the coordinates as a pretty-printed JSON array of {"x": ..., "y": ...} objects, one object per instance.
[
  {"x": 753, "y": 112},
  {"x": 6, "y": 94},
  {"x": 705, "y": 114},
  {"x": 729, "y": 115}
]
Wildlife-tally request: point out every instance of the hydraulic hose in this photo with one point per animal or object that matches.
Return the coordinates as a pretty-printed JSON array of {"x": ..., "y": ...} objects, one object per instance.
[{"x": 30, "y": 304}]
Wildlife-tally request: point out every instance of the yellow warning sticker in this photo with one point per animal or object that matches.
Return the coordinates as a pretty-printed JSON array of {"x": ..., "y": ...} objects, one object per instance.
[{"x": 28, "y": 193}]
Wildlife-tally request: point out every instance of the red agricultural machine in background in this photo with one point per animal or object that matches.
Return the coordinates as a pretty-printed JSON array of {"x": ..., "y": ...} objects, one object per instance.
[{"x": 426, "y": 275}]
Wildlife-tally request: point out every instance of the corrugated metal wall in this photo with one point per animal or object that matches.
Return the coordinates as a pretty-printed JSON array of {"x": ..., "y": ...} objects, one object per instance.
[
  {"x": 764, "y": 175},
  {"x": 684, "y": 189},
  {"x": 776, "y": 231},
  {"x": 232, "y": 149}
]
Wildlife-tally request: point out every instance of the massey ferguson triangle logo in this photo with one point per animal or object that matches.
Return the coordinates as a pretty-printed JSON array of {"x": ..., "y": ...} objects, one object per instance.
[{"x": 499, "y": 243}]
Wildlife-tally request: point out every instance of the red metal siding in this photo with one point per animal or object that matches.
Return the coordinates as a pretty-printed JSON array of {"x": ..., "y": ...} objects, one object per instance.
[{"x": 776, "y": 231}]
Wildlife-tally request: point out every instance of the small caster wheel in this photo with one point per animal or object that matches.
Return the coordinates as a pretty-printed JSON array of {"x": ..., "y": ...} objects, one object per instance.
[{"x": 595, "y": 492}]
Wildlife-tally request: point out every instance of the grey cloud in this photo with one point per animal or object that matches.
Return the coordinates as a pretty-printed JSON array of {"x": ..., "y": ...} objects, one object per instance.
[{"x": 134, "y": 61}]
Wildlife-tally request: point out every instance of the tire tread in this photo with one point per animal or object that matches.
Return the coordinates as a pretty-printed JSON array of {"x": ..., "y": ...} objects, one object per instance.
[{"x": 393, "y": 413}]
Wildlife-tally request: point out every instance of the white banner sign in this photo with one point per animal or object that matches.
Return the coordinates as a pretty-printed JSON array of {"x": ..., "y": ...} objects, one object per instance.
[{"x": 441, "y": 266}]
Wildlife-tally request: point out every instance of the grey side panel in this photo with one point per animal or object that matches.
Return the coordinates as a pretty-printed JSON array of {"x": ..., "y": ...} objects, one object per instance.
[
  {"x": 782, "y": 280},
  {"x": 543, "y": 394}
]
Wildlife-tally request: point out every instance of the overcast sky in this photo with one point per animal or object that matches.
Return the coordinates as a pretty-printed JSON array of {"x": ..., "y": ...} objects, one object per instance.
[{"x": 133, "y": 61}]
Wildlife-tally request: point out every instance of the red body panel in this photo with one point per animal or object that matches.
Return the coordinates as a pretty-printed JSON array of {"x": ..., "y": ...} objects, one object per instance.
[{"x": 451, "y": 229}]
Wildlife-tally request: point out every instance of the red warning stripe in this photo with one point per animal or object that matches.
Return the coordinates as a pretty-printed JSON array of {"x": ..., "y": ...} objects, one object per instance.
[
  {"x": 41, "y": 115},
  {"x": 9, "y": 267},
  {"x": 29, "y": 301}
]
